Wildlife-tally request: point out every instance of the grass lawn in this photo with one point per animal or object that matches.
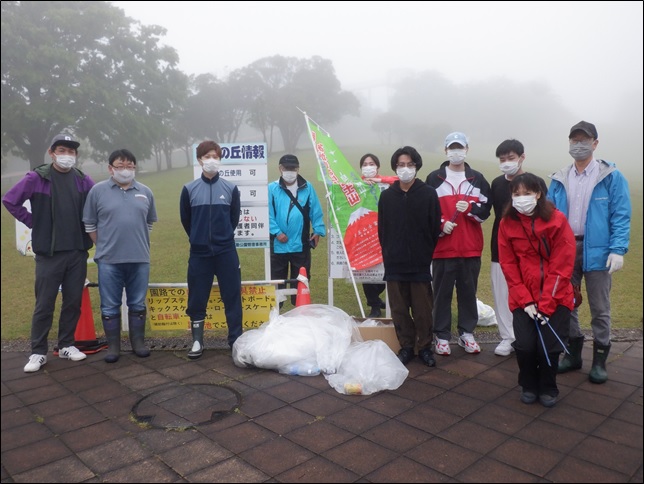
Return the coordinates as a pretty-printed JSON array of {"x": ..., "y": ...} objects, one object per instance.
[{"x": 170, "y": 252}]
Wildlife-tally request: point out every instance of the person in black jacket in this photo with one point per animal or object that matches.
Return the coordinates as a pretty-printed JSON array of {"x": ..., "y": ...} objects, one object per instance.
[{"x": 409, "y": 224}]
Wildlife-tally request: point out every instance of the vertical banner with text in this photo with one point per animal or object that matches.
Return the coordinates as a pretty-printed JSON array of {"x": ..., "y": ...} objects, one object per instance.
[{"x": 354, "y": 202}]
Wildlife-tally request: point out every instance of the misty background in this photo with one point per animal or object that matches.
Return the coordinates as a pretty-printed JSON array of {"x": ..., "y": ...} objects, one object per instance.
[{"x": 376, "y": 76}]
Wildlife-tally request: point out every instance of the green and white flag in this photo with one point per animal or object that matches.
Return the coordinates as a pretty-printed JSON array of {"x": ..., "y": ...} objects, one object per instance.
[{"x": 354, "y": 203}]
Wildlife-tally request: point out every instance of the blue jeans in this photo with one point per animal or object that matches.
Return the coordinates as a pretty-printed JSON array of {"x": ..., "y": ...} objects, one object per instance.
[{"x": 113, "y": 278}]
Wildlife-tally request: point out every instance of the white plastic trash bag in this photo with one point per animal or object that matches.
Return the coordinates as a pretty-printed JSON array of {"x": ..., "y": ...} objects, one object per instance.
[
  {"x": 486, "y": 315},
  {"x": 307, "y": 340},
  {"x": 368, "y": 367}
]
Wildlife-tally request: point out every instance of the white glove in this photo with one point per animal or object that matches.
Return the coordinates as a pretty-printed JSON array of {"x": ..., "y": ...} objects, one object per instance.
[
  {"x": 542, "y": 318},
  {"x": 614, "y": 262},
  {"x": 448, "y": 227},
  {"x": 531, "y": 310},
  {"x": 462, "y": 205}
]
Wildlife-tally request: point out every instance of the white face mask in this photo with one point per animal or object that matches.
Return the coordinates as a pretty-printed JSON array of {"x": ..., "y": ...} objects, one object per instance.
[
  {"x": 369, "y": 171},
  {"x": 289, "y": 176},
  {"x": 123, "y": 177},
  {"x": 525, "y": 204},
  {"x": 65, "y": 161},
  {"x": 456, "y": 157},
  {"x": 211, "y": 165},
  {"x": 509, "y": 168},
  {"x": 406, "y": 175}
]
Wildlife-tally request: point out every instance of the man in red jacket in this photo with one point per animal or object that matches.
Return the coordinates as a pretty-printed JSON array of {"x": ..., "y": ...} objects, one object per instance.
[{"x": 464, "y": 195}]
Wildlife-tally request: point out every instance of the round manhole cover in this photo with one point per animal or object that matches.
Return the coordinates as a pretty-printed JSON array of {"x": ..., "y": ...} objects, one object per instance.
[{"x": 182, "y": 407}]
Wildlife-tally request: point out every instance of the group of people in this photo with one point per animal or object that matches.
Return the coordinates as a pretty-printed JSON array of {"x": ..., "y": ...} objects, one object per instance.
[
  {"x": 69, "y": 213},
  {"x": 544, "y": 242}
]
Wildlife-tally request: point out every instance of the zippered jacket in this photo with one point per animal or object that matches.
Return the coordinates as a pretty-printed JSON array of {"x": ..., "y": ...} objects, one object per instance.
[
  {"x": 36, "y": 186},
  {"x": 608, "y": 215},
  {"x": 467, "y": 238},
  {"x": 409, "y": 224},
  {"x": 537, "y": 260},
  {"x": 286, "y": 218},
  {"x": 209, "y": 210}
]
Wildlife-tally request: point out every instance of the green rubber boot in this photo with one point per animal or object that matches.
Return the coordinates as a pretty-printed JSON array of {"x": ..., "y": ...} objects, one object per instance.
[
  {"x": 598, "y": 373},
  {"x": 573, "y": 359}
]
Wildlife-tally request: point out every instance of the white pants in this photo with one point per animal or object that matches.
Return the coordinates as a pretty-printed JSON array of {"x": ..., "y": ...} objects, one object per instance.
[{"x": 500, "y": 296}]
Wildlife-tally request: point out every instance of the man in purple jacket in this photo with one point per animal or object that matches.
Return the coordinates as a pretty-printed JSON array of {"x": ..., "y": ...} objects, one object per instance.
[{"x": 56, "y": 192}]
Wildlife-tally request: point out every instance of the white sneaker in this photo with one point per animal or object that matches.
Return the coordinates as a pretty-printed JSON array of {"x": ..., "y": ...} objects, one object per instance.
[
  {"x": 442, "y": 347},
  {"x": 35, "y": 362},
  {"x": 72, "y": 353},
  {"x": 504, "y": 348},
  {"x": 468, "y": 343}
]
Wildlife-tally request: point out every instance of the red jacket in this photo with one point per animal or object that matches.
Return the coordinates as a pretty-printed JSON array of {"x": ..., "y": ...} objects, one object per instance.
[
  {"x": 544, "y": 278},
  {"x": 467, "y": 239}
]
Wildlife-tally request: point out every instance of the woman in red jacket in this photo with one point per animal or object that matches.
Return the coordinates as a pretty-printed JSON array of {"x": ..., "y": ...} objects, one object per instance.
[{"x": 537, "y": 250}]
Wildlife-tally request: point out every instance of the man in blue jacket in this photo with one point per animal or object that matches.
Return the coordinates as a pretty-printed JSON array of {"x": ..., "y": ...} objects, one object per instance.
[
  {"x": 595, "y": 197},
  {"x": 295, "y": 222}
]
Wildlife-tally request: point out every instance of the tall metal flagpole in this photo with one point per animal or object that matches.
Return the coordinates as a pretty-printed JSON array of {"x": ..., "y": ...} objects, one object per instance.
[{"x": 333, "y": 211}]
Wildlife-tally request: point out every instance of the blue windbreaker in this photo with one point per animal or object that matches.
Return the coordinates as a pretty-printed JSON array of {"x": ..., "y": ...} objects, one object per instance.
[
  {"x": 284, "y": 217},
  {"x": 608, "y": 216}
]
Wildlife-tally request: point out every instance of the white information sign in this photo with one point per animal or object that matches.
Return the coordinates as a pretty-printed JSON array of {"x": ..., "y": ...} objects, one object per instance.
[{"x": 245, "y": 165}]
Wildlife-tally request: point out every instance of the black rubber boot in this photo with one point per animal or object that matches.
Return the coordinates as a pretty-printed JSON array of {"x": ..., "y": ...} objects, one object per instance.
[
  {"x": 598, "y": 373},
  {"x": 137, "y": 327},
  {"x": 112, "y": 328},
  {"x": 197, "y": 329},
  {"x": 573, "y": 359}
]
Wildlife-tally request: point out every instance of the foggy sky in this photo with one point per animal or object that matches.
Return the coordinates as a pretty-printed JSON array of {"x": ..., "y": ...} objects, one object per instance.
[{"x": 590, "y": 54}]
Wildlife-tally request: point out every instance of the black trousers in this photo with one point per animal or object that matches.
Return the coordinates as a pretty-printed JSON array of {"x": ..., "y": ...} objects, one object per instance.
[
  {"x": 537, "y": 350},
  {"x": 282, "y": 264},
  {"x": 373, "y": 293}
]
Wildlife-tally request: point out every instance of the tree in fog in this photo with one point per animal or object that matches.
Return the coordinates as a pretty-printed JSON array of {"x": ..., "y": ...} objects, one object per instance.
[
  {"x": 283, "y": 85},
  {"x": 87, "y": 68}
]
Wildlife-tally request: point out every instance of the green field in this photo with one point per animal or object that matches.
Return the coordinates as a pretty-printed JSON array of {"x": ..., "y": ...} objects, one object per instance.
[{"x": 170, "y": 253}]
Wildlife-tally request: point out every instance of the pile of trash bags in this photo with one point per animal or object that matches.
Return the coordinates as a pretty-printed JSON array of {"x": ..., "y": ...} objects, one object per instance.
[{"x": 318, "y": 338}]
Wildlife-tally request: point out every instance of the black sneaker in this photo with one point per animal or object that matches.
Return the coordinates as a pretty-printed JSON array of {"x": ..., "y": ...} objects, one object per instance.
[
  {"x": 406, "y": 355},
  {"x": 427, "y": 357},
  {"x": 375, "y": 313}
]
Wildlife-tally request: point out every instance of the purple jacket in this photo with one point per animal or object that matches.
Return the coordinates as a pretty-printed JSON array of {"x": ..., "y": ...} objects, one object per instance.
[{"x": 36, "y": 187}]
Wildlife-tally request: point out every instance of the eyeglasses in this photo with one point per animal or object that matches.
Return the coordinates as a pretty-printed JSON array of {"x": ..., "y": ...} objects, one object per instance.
[
  {"x": 406, "y": 165},
  {"x": 128, "y": 166}
]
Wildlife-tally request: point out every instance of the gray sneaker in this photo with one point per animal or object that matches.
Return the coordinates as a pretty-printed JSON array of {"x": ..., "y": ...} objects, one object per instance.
[{"x": 35, "y": 362}]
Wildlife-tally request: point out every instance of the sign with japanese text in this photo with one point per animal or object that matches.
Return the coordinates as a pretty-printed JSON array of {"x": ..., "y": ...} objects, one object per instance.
[
  {"x": 167, "y": 307},
  {"x": 245, "y": 165},
  {"x": 338, "y": 268}
]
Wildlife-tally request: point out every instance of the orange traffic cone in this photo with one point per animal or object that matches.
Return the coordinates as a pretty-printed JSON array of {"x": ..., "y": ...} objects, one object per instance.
[
  {"x": 303, "y": 296},
  {"x": 85, "y": 335}
]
